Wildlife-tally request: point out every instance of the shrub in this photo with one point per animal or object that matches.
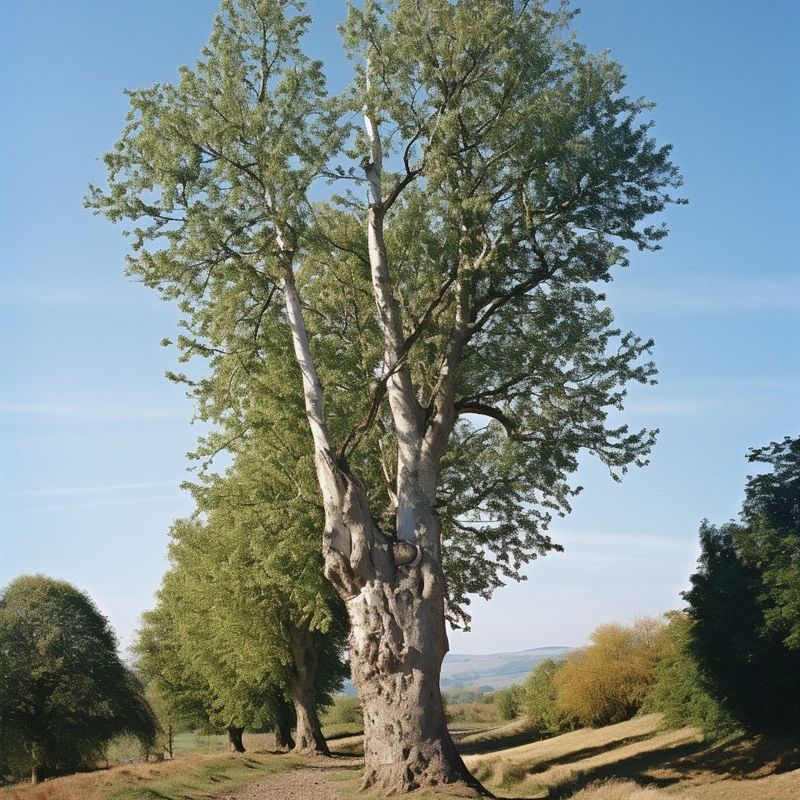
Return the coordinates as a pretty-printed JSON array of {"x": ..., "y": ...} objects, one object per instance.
[
  {"x": 509, "y": 701},
  {"x": 344, "y": 710},
  {"x": 681, "y": 692},
  {"x": 540, "y": 704},
  {"x": 609, "y": 680}
]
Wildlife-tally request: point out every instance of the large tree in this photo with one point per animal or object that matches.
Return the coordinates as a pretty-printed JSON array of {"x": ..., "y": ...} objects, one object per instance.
[
  {"x": 64, "y": 692},
  {"x": 444, "y": 312}
]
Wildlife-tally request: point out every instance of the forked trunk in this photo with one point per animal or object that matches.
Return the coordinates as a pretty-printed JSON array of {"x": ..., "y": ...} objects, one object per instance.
[{"x": 235, "y": 739}]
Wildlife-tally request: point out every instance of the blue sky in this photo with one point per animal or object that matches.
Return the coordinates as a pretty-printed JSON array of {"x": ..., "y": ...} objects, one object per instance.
[{"x": 93, "y": 437}]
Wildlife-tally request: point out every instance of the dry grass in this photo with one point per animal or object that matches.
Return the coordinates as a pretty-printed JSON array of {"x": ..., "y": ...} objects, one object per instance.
[
  {"x": 513, "y": 765},
  {"x": 624, "y": 790},
  {"x": 634, "y": 760},
  {"x": 637, "y": 760},
  {"x": 496, "y": 737},
  {"x": 191, "y": 777}
]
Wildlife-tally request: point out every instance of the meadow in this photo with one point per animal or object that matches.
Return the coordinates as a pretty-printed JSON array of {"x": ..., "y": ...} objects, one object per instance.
[{"x": 634, "y": 760}]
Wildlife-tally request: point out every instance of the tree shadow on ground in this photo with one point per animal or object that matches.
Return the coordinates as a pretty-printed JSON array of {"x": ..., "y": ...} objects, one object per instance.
[
  {"x": 741, "y": 759},
  {"x": 586, "y": 752},
  {"x": 490, "y": 745}
]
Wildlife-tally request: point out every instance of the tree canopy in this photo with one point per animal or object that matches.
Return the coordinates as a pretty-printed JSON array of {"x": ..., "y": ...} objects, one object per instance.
[
  {"x": 522, "y": 159},
  {"x": 65, "y": 693}
]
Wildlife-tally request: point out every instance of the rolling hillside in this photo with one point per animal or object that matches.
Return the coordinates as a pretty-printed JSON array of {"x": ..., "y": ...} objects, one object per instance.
[{"x": 495, "y": 670}]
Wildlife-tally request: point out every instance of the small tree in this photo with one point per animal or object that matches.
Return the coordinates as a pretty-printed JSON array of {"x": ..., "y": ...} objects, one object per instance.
[
  {"x": 608, "y": 680},
  {"x": 64, "y": 692},
  {"x": 508, "y": 702}
]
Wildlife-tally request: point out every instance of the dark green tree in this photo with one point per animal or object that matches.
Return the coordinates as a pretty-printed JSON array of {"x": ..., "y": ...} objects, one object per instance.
[
  {"x": 64, "y": 693},
  {"x": 769, "y": 539},
  {"x": 747, "y": 667},
  {"x": 744, "y": 602},
  {"x": 466, "y": 356}
]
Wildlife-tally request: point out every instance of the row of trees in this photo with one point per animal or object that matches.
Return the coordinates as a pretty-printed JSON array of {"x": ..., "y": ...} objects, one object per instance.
[
  {"x": 246, "y": 632},
  {"x": 436, "y": 316}
]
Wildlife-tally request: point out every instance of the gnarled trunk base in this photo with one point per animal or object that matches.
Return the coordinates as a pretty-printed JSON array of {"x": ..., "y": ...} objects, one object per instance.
[{"x": 398, "y": 642}]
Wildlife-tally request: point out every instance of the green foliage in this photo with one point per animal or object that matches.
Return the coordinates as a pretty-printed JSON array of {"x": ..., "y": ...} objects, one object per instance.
[
  {"x": 769, "y": 539},
  {"x": 524, "y": 174},
  {"x": 540, "y": 702},
  {"x": 509, "y": 701},
  {"x": 65, "y": 693},
  {"x": 744, "y": 662},
  {"x": 608, "y": 680},
  {"x": 681, "y": 691}
]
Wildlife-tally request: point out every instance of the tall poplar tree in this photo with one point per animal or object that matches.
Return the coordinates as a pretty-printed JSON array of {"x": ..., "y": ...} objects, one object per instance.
[{"x": 444, "y": 307}]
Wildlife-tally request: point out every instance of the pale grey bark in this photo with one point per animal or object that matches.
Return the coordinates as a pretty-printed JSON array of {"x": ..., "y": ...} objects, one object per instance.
[{"x": 393, "y": 585}]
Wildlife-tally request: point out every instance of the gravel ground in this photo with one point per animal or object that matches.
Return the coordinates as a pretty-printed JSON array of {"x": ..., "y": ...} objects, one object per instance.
[{"x": 306, "y": 783}]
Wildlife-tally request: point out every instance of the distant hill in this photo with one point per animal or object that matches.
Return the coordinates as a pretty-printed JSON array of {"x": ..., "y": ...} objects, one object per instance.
[
  {"x": 494, "y": 670},
  {"x": 489, "y": 671}
]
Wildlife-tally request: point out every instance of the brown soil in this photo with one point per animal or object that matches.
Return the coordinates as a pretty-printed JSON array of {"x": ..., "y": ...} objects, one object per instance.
[{"x": 312, "y": 782}]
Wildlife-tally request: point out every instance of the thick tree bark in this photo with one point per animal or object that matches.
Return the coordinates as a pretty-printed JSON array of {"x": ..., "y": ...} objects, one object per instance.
[
  {"x": 308, "y": 731},
  {"x": 398, "y": 642},
  {"x": 235, "y": 739}
]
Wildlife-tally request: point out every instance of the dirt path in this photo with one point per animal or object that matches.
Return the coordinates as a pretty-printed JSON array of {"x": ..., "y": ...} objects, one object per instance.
[
  {"x": 305, "y": 783},
  {"x": 292, "y": 784}
]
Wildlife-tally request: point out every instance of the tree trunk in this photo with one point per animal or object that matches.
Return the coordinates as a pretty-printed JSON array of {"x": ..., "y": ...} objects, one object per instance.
[
  {"x": 398, "y": 642},
  {"x": 308, "y": 731},
  {"x": 284, "y": 722},
  {"x": 393, "y": 588},
  {"x": 235, "y": 739}
]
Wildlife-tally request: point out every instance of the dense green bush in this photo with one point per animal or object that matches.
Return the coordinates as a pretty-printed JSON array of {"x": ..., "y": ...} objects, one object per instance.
[
  {"x": 344, "y": 710},
  {"x": 509, "y": 702},
  {"x": 681, "y": 691},
  {"x": 64, "y": 692},
  {"x": 540, "y": 704}
]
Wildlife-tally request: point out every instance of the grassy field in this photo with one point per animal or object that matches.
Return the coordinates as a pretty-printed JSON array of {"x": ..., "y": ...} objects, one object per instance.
[
  {"x": 634, "y": 760},
  {"x": 637, "y": 760},
  {"x": 188, "y": 777}
]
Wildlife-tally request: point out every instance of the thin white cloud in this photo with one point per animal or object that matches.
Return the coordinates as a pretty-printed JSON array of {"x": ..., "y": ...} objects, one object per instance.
[
  {"x": 104, "y": 489},
  {"x": 49, "y": 294},
  {"x": 110, "y": 503},
  {"x": 715, "y": 293},
  {"x": 77, "y": 412},
  {"x": 677, "y": 407}
]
